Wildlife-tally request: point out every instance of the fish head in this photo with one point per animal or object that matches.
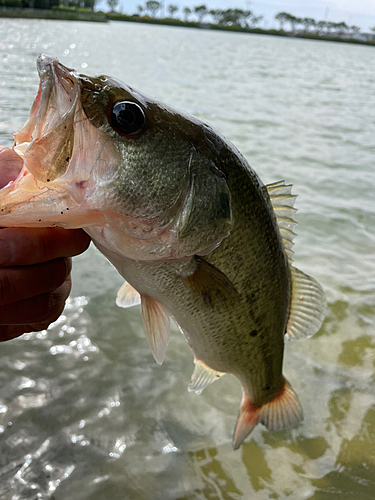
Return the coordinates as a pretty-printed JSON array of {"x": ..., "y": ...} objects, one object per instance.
[{"x": 130, "y": 170}]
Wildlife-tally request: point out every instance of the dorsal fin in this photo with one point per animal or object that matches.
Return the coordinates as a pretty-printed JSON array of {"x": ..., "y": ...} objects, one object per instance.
[
  {"x": 282, "y": 201},
  {"x": 307, "y": 307}
]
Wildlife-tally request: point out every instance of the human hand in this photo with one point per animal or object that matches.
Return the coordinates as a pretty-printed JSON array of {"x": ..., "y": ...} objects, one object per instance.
[{"x": 35, "y": 267}]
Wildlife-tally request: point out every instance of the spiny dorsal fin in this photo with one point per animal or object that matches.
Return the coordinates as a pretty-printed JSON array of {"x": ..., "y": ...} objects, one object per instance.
[
  {"x": 156, "y": 327},
  {"x": 127, "y": 296},
  {"x": 283, "y": 205},
  {"x": 202, "y": 376},
  {"x": 308, "y": 306}
]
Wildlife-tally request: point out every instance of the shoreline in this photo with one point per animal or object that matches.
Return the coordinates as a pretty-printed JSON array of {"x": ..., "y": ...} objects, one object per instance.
[
  {"x": 54, "y": 15},
  {"x": 67, "y": 14}
]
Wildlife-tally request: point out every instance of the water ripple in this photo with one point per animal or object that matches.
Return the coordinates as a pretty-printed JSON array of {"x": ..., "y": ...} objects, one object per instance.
[{"x": 85, "y": 413}]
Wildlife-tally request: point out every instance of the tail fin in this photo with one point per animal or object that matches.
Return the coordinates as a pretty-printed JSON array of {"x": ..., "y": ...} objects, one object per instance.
[
  {"x": 248, "y": 417},
  {"x": 282, "y": 412}
]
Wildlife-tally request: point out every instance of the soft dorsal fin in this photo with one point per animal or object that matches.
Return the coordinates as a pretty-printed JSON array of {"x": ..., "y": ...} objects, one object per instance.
[
  {"x": 156, "y": 327},
  {"x": 202, "y": 376},
  {"x": 283, "y": 205},
  {"x": 127, "y": 296},
  {"x": 307, "y": 308}
]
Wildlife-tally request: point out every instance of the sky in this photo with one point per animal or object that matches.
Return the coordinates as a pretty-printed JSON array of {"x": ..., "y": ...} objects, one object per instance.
[{"x": 358, "y": 12}]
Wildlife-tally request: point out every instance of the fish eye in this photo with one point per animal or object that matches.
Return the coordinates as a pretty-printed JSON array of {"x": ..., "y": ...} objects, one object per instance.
[{"x": 127, "y": 117}]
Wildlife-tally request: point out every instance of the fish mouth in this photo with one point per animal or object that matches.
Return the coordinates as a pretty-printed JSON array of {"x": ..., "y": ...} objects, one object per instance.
[
  {"x": 57, "y": 183},
  {"x": 46, "y": 140},
  {"x": 54, "y": 78},
  {"x": 40, "y": 195}
]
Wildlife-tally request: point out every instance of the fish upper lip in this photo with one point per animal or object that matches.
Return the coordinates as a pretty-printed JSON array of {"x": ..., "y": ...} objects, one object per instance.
[
  {"x": 52, "y": 74},
  {"x": 45, "y": 72},
  {"x": 54, "y": 106},
  {"x": 47, "y": 65},
  {"x": 44, "y": 64},
  {"x": 55, "y": 78}
]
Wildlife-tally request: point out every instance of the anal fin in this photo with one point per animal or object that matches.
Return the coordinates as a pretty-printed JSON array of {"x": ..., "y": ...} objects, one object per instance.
[
  {"x": 156, "y": 327},
  {"x": 282, "y": 412},
  {"x": 202, "y": 376},
  {"x": 127, "y": 296},
  {"x": 308, "y": 306}
]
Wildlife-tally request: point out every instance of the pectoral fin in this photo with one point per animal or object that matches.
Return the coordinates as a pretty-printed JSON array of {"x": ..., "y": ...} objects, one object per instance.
[
  {"x": 156, "y": 327},
  {"x": 213, "y": 286}
]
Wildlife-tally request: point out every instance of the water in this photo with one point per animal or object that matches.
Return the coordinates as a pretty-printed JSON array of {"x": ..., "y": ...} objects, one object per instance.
[{"x": 85, "y": 412}]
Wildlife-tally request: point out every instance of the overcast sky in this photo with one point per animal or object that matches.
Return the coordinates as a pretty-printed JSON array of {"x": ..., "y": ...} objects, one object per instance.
[{"x": 358, "y": 12}]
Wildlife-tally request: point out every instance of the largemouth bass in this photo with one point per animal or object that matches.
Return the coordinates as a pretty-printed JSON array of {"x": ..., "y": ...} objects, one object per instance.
[{"x": 183, "y": 218}]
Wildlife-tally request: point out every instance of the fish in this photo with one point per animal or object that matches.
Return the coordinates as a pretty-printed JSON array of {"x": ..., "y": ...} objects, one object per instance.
[{"x": 184, "y": 219}]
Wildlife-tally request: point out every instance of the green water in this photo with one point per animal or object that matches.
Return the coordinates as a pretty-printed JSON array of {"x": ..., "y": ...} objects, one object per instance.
[{"x": 85, "y": 413}]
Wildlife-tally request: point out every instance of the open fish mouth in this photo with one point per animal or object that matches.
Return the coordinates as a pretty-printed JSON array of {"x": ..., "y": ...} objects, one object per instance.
[
  {"x": 43, "y": 193},
  {"x": 47, "y": 138}
]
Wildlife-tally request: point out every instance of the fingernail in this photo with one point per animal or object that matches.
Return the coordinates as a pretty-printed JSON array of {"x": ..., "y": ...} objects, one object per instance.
[{"x": 5, "y": 253}]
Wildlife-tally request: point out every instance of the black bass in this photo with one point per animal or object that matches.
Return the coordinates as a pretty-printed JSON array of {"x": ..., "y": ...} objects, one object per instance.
[{"x": 184, "y": 219}]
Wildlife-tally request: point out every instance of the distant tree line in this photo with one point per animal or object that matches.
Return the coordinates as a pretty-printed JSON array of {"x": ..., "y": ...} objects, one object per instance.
[
  {"x": 222, "y": 17},
  {"x": 29, "y": 4},
  {"x": 235, "y": 17},
  {"x": 48, "y": 4},
  {"x": 308, "y": 25},
  {"x": 247, "y": 19}
]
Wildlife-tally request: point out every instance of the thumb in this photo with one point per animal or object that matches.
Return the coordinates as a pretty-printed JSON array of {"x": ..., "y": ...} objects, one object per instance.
[{"x": 10, "y": 165}]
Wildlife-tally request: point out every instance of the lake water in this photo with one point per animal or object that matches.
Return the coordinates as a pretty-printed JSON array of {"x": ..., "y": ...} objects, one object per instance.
[{"x": 85, "y": 412}]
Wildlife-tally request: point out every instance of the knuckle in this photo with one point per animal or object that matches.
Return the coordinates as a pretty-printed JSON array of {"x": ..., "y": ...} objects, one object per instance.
[
  {"x": 49, "y": 314},
  {"x": 5, "y": 333},
  {"x": 42, "y": 325},
  {"x": 60, "y": 271},
  {"x": 9, "y": 332},
  {"x": 52, "y": 304},
  {"x": 82, "y": 241}
]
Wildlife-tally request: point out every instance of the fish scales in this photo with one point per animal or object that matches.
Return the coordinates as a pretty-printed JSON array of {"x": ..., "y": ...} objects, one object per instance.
[
  {"x": 231, "y": 324},
  {"x": 183, "y": 218}
]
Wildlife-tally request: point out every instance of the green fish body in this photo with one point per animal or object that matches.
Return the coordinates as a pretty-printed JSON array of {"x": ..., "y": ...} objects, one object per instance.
[{"x": 184, "y": 219}]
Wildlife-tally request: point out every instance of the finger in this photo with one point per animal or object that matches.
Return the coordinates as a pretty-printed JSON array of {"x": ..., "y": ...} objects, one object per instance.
[
  {"x": 20, "y": 283},
  {"x": 24, "y": 247},
  {"x": 10, "y": 165},
  {"x": 37, "y": 313},
  {"x": 9, "y": 332}
]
